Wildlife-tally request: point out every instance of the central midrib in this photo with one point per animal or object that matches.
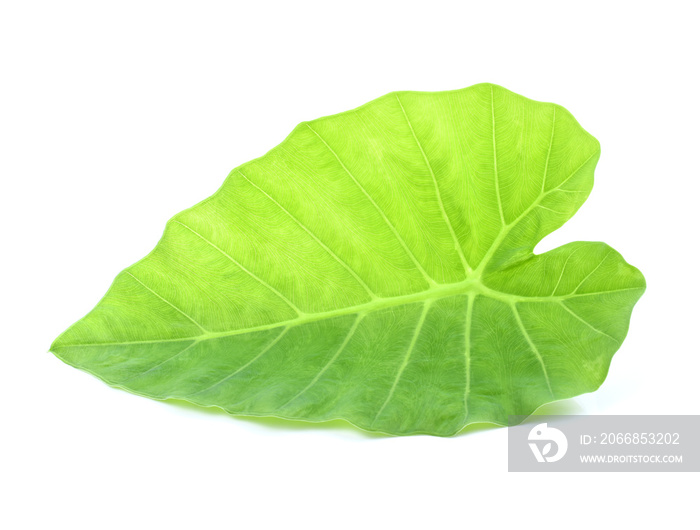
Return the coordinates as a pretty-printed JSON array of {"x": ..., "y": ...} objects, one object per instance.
[
  {"x": 473, "y": 287},
  {"x": 434, "y": 293}
]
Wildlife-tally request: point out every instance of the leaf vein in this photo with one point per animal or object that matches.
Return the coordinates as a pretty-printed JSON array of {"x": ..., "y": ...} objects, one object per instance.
[
  {"x": 414, "y": 339},
  {"x": 561, "y": 275},
  {"x": 467, "y": 354},
  {"x": 575, "y": 291},
  {"x": 315, "y": 238},
  {"x": 246, "y": 365},
  {"x": 169, "y": 303},
  {"x": 506, "y": 229},
  {"x": 401, "y": 241},
  {"x": 532, "y": 346},
  {"x": 140, "y": 374},
  {"x": 239, "y": 265},
  {"x": 495, "y": 162},
  {"x": 549, "y": 150},
  {"x": 572, "y": 313},
  {"x": 458, "y": 246},
  {"x": 354, "y": 326},
  {"x": 506, "y": 297}
]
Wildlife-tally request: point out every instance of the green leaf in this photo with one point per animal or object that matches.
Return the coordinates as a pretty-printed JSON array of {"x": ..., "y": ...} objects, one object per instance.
[{"x": 377, "y": 266}]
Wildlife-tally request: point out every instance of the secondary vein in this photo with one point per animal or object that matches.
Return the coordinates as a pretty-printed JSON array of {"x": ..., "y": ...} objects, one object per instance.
[
  {"x": 401, "y": 241},
  {"x": 532, "y": 347},
  {"x": 168, "y": 302},
  {"x": 467, "y": 354},
  {"x": 572, "y": 313},
  {"x": 495, "y": 162},
  {"x": 244, "y": 269},
  {"x": 458, "y": 246},
  {"x": 330, "y": 362},
  {"x": 506, "y": 229},
  {"x": 414, "y": 339},
  {"x": 246, "y": 365},
  {"x": 315, "y": 238}
]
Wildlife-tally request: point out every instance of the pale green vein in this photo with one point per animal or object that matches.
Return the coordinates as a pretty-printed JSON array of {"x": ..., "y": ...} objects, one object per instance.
[
  {"x": 169, "y": 303},
  {"x": 400, "y": 239},
  {"x": 246, "y": 365},
  {"x": 550, "y": 210},
  {"x": 575, "y": 291},
  {"x": 129, "y": 343},
  {"x": 330, "y": 362},
  {"x": 549, "y": 151},
  {"x": 172, "y": 357},
  {"x": 467, "y": 353},
  {"x": 244, "y": 269},
  {"x": 532, "y": 346},
  {"x": 414, "y": 339},
  {"x": 506, "y": 229},
  {"x": 458, "y": 246},
  {"x": 596, "y": 293},
  {"x": 495, "y": 162},
  {"x": 561, "y": 275},
  {"x": 573, "y": 314},
  {"x": 443, "y": 291},
  {"x": 342, "y": 263}
]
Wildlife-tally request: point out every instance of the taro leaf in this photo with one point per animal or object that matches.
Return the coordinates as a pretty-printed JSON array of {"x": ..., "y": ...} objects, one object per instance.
[{"x": 377, "y": 267}]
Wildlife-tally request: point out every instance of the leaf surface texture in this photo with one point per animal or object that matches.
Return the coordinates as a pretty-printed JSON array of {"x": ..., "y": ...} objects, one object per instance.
[{"x": 377, "y": 266}]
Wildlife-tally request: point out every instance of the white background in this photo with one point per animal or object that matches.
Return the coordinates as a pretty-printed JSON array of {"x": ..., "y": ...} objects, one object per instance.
[{"x": 116, "y": 115}]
